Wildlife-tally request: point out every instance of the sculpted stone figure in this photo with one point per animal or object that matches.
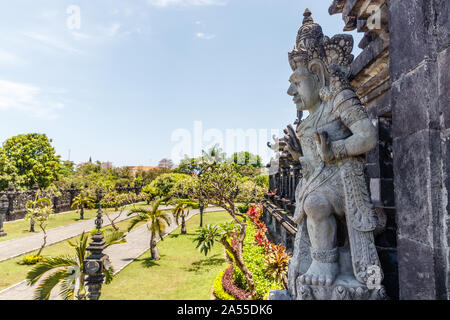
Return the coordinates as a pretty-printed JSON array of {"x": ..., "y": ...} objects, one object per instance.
[{"x": 334, "y": 253}]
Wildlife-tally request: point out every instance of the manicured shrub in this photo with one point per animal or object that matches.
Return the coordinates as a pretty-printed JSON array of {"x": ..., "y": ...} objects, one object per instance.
[
  {"x": 230, "y": 287},
  {"x": 32, "y": 259},
  {"x": 243, "y": 208},
  {"x": 219, "y": 292},
  {"x": 255, "y": 259}
]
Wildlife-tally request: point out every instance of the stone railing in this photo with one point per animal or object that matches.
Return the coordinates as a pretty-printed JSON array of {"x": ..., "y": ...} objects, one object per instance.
[
  {"x": 282, "y": 184},
  {"x": 17, "y": 200},
  {"x": 280, "y": 225}
]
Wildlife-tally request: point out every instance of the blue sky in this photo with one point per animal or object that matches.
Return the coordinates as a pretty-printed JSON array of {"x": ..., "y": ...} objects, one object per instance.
[{"x": 134, "y": 72}]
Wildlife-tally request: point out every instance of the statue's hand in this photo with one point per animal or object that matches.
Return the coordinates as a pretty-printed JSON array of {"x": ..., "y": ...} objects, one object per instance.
[
  {"x": 324, "y": 142},
  {"x": 294, "y": 153},
  {"x": 292, "y": 141}
]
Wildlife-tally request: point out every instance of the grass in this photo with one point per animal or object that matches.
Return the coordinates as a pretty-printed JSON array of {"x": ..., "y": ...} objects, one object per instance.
[
  {"x": 12, "y": 273},
  {"x": 182, "y": 273},
  {"x": 17, "y": 229}
]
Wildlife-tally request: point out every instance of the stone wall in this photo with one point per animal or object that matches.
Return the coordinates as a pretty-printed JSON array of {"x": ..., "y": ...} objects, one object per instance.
[
  {"x": 17, "y": 200},
  {"x": 420, "y": 97}
]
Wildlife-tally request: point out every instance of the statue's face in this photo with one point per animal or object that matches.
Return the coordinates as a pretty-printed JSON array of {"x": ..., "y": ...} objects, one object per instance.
[{"x": 304, "y": 88}]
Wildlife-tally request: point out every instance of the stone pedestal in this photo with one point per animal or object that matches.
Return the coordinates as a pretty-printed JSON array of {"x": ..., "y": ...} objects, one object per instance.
[{"x": 344, "y": 288}]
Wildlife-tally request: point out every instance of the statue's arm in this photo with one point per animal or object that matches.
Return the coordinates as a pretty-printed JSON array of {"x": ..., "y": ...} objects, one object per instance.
[
  {"x": 364, "y": 135},
  {"x": 354, "y": 117}
]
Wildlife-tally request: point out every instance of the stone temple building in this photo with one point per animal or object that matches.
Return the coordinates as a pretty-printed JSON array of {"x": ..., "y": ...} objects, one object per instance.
[{"x": 402, "y": 77}]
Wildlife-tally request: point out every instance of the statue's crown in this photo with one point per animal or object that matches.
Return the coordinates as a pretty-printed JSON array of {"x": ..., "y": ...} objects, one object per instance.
[{"x": 311, "y": 44}]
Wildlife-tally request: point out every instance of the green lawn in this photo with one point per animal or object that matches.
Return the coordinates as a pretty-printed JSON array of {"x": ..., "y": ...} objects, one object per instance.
[
  {"x": 182, "y": 273},
  {"x": 12, "y": 273},
  {"x": 19, "y": 229}
]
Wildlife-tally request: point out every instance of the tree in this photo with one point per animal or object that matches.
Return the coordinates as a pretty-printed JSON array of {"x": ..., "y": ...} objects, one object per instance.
[
  {"x": 67, "y": 168},
  {"x": 8, "y": 172},
  {"x": 246, "y": 159},
  {"x": 181, "y": 210},
  {"x": 262, "y": 180},
  {"x": 156, "y": 220},
  {"x": 188, "y": 166},
  {"x": 34, "y": 160},
  {"x": 214, "y": 154},
  {"x": 249, "y": 192},
  {"x": 68, "y": 271},
  {"x": 150, "y": 192},
  {"x": 165, "y": 183},
  {"x": 165, "y": 163},
  {"x": 38, "y": 211},
  {"x": 220, "y": 184},
  {"x": 83, "y": 200}
]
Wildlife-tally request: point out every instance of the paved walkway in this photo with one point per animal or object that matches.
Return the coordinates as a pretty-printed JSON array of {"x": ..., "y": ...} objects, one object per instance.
[
  {"x": 16, "y": 247},
  {"x": 138, "y": 241}
]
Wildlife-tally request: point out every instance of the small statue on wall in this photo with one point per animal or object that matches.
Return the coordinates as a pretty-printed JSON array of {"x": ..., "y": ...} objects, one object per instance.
[{"x": 334, "y": 253}]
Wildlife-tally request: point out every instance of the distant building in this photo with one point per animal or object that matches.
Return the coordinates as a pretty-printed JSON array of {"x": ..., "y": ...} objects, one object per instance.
[{"x": 134, "y": 170}]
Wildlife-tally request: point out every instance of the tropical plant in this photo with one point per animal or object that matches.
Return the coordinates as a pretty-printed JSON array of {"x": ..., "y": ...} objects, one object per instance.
[
  {"x": 82, "y": 201},
  {"x": 67, "y": 271},
  {"x": 157, "y": 222},
  {"x": 206, "y": 238},
  {"x": 220, "y": 184},
  {"x": 38, "y": 211},
  {"x": 277, "y": 260},
  {"x": 181, "y": 211}
]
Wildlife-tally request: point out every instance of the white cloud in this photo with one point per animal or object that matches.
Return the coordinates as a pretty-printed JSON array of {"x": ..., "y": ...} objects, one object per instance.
[
  {"x": 29, "y": 99},
  {"x": 49, "y": 13},
  {"x": 80, "y": 36},
  {"x": 9, "y": 59},
  {"x": 205, "y": 36},
  {"x": 53, "y": 43},
  {"x": 112, "y": 30},
  {"x": 166, "y": 3}
]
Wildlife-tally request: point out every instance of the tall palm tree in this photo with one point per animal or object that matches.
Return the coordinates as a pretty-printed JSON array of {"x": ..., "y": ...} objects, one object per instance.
[
  {"x": 181, "y": 210},
  {"x": 67, "y": 271},
  {"x": 157, "y": 222},
  {"x": 83, "y": 200}
]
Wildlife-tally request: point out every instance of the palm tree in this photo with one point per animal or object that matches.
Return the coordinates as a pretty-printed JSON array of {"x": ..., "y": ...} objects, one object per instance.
[
  {"x": 83, "y": 200},
  {"x": 181, "y": 210},
  {"x": 67, "y": 271},
  {"x": 157, "y": 221}
]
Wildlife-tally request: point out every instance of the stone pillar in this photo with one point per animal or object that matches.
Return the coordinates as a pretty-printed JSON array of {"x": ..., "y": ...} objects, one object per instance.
[
  {"x": 3, "y": 210},
  {"x": 286, "y": 182},
  {"x": 419, "y": 69},
  {"x": 11, "y": 195},
  {"x": 292, "y": 184}
]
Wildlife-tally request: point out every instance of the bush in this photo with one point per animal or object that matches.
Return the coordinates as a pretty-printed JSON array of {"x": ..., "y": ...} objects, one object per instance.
[
  {"x": 30, "y": 260},
  {"x": 230, "y": 287},
  {"x": 244, "y": 208},
  {"x": 262, "y": 180},
  {"x": 219, "y": 292},
  {"x": 255, "y": 259}
]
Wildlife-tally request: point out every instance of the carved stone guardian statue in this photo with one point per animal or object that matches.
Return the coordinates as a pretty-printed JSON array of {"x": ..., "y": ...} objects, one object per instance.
[{"x": 334, "y": 253}]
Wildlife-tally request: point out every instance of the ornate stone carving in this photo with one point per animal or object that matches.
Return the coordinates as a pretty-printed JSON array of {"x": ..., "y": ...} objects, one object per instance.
[{"x": 334, "y": 252}]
